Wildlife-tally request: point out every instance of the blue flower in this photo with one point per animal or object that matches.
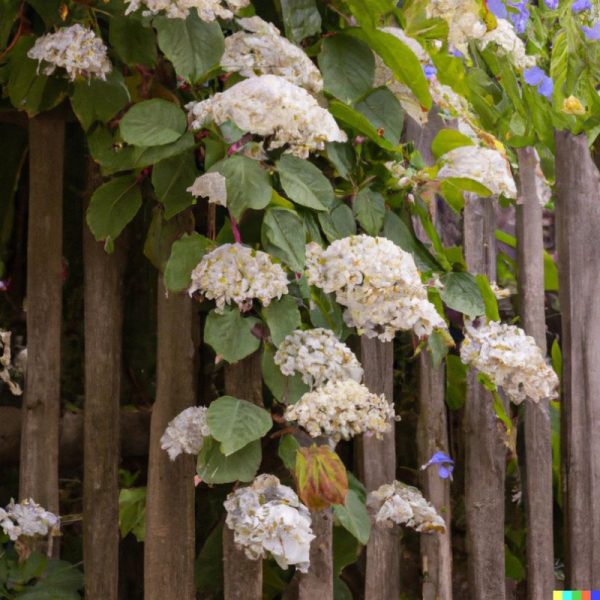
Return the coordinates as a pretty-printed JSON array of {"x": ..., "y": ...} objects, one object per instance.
[
  {"x": 519, "y": 19},
  {"x": 454, "y": 52},
  {"x": 581, "y": 5},
  {"x": 497, "y": 8},
  {"x": 429, "y": 71},
  {"x": 551, "y": 4},
  {"x": 446, "y": 465},
  {"x": 536, "y": 77},
  {"x": 592, "y": 33}
]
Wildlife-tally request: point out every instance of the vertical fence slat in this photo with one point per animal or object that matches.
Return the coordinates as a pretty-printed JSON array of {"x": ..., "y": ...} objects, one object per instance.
[
  {"x": 485, "y": 452},
  {"x": 377, "y": 465},
  {"x": 243, "y": 577},
  {"x": 169, "y": 551},
  {"x": 578, "y": 224},
  {"x": 103, "y": 336},
  {"x": 41, "y": 406},
  {"x": 538, "y": 432}
]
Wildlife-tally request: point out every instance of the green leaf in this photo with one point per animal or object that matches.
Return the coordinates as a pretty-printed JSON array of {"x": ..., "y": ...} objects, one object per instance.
[
  {"x": 354, "y": 517},
  {"x": 288, "y": 446},
  {"x": 514, "y": 568},
  {"x": 186, "y": 253},
  {"x": 171, "y": 178},
  {"x": 304, "y": 183},
  {"x": 456, "y": 382},
  {"x": 282, "y": 317},
  {"x": 132, "y": 512},
  {"x": 489, "y": 299},
  {"x": 8, "y": 16},
  {"x": 285, "y": 389},
  {"x": 98, "y": 100},
  {"x": 346, "y": 549},
  {"x": 327, "y": 313},
  {"x": 461, "y": 293},
  {"x": 283, "y": 237},
  {"x": 556, "y": 356},
  {"x": 192, "y": 45},
  {"x": 384, "y": 112},
  {"x": 214, "y": 467},
  {"x": 466, "y": 184},
  {"x": 230, "y": 334},
  {"x": 559, "y": 64},
  {"x": 159, "y": 239},
  {"x": 153, "y": 123},
  {"x": 341, "y": 156},
  {"x": 438, "y": 348},
  {"x": 369, "y": 13},
  {"x": 112, "y": 206},
  {"x": 235, "y": 423},
  {"x": 369, "y": 210},
  {"x": 133, "y": 43},
  {"x": 339, "y": 223},
  {"x": 347, "y": 66},
  {"x": 448, "y": 139},
  {"x": 248, "y": 185},
  {"x": 301, "y": 19}
]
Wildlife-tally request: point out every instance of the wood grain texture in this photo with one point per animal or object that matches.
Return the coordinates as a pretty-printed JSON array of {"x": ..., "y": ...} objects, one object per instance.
[
  {"x": 243, "y": 577},
  {"x": 537, "y": 431},
  {"x": 103, "y": 305},
  {"x": 169, "y": 551},
  {"x": 40, "y": 423},
  {"x": 485, "y": 454},
  {"x": 377, "y": 465},
  {"x": 578, "y": 224}
]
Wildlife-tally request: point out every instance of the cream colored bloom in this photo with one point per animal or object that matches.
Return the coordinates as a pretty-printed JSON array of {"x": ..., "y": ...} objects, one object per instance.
[
  {"x": 186, "y": 432},
  {"x": 208, "y": 10},
  {"x": 26, "y": 519},
  {"x": 509, "y": 44},
  {"x": 211, "y": 186},
  {"x": 464, "y": 22}
]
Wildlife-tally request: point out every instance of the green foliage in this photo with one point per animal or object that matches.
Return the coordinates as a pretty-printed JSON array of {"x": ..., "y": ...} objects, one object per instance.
[
  {"x": 214, "y": 467},
  {"x": 186, "y": 253},
  {"x": 283, "y": 236},
  {"x": 134, "y": 43},
  {"x": 153, "y": 123},
  {"x": 301, "y": 19},
  {"x": 354, "y": 517},
  {"x": 170, "y": 178},
  {"x": 304, "y": 183},
  {"x": 462, "y": 293},
  {"x": 230, "y": 335},
  {"x": 369, "y": 210},
  {"x": 282, "y": 317},
  {"x": 132, "y": 512},
  {"x": 384, "y": 112},
  {"x": 285, "y": 389},
  {"x": 448, "y": 139},
  {"x": 288, "y": 446}
]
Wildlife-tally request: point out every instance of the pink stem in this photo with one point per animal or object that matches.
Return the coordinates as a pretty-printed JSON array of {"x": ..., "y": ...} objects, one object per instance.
[{"x": 234, "y": 229}]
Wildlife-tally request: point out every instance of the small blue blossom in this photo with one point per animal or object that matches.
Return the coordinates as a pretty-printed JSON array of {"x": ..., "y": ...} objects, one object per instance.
[
  {"x": 592, "y": 33},
  {"x": 551, "y": 4},
  {"x": 446, "y": 465},
  {"x": 454, "y": 52},
  {"x": 429, "y": 71},
  {"x": 581, "y": 5},
  {"x": 520, "y": 18},
  {"x": 497, "y": 8},
  {"x": 536, "y": 77}
]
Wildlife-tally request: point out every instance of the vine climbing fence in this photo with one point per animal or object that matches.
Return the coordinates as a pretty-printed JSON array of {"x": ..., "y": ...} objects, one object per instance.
[{"x": 278, "y": 347}]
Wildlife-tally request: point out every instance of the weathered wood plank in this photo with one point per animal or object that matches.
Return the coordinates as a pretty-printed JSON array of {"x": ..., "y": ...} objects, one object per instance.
[
  {"x": 578, "y": 224},
  {"x": 538, "y": 431}
]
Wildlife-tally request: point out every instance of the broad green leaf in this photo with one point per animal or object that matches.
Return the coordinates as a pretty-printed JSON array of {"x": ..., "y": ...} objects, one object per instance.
[
  {"x": 282, "y": 317},
  {"x": 556, "y": 357},
  {"x": 186, "y": 253},
  {"x": 341, "y": 156},
  {"x": 466, "y": 184},
  {"x": 230, "y": 335},
  {"x": 347, "y": 66},
  {"x": 559, "y": 63},
  {"x": 327, "y": 313},
  {"x": 339, "y": 223},
  {"x": 346, "y": 549},
  {"x": 171, "y": 178},
  {"x": 153, "y": 123},
  {"x": 304, "y": 183},
  {"x": 301, "y": 19},
  {"x": 235, "y": 423},
  {"x": 248, "y": 185},
  {"x": 438, "y": 348},
  {"x": 98, "y": 100},
  {"x": 283, "y": 237},
  {"x": 448, "y": 139},
  {"x": 132, "y": 512},
  {"x": 8, "y": 16},
  {"x": 214, "y": 467},
  {"x": 461, "y": 293},
  {"x": 285, "y": 389},
  {"x": 369, "y": 13},
  {"x": 192, "y": 45},
  {"x": 49, "y": 10},
  {"x": 514, "y": 568},
  {"x": 369, "y": 210},
  {"x": 112, "y": 206},
  {"x": 489, "y": 299},
  {"x": 159, "y": 239},
  {"x": 133, "y": 43},
  {"x": 456, "y": 382},
  {"x": 384, "y": 112},
  {"x": 354, "y": 517},
  {"x": 288, "y": 446}
]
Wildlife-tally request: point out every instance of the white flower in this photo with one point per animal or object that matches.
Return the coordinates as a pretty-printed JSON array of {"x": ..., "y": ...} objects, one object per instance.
[
  {"x": 509, "y": 44},
  {"x": 319, "y": 356},
  {"x": 464, "y": 22},
  {"x": 5, "y": 363},
  {"x": 186, "y": 432},
  {"x": 76, "y": 49},
  {"x": 236, "y": 273},
  {"x": 268, "y": 517},
  {"x": 211, "y": 186},
  {"x": 398, "y": 503},
  {"x": 208, "y": 10},
  {"x": 342, "y": 409},
  {"x": 27, "y": 519},
  {"x": 377, "y": 282},
  {"x": 484, "y": 165},
  {"x": 269, "y": 105},
  {"x": 511, "y": 359},
  {"x": 264, "y": 51}
]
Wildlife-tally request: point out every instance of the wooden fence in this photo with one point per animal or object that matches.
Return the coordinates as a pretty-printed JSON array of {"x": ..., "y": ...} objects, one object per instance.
[{"x": 170, "y": 515}]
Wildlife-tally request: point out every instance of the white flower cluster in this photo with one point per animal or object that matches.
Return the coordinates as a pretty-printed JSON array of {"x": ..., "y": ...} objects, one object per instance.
[
  {"x": 208, "y": 10},
  {"x": 76, "y": 49},
  {"x": 511, "y": 359},
  {"x": 484, "y": 165},
  {"x": 5, "y": 364},
  {"x": 261, "y": 50},
  {"x": 269, "y": 105},
  {"x": 464, "y": 22},
  {"x": 268, "y": 517},
  {"x": 342, "y": 409},
  {"x": 509, "y": 44},
  {"x": 236, "y": 273},
  {"x": 211, "y": 186},
  {"x": 27, "y": 519},
  {"x": 319, "y": 356},
  {"x": 377, "y": 282},
  {"x": 398, "y": 503},
  {"x": 186, "y": 432}
]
